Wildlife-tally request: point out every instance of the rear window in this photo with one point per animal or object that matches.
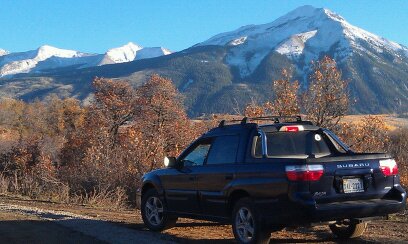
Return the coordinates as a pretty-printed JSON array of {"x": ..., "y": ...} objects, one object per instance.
[{"x": 290, "y": 144}]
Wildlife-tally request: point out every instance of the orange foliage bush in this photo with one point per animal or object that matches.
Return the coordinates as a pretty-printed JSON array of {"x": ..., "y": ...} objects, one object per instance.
[
  {"x": 372, "y": 135},
  {"x": 97, "y": 151},
  {"x": 58, "y": 149},
  {"x": 398, "y": 147},
  {"x": 285, "y": 102},
  {"x": 369, "y": 135},
  {"x": 126, "y": 133},
  {"x": 326, "y": 100},
  {"x": 286, "y": 97}
]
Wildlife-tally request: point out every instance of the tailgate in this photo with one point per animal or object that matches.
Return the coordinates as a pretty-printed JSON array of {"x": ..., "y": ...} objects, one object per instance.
[{"x": 352, "y": 178}]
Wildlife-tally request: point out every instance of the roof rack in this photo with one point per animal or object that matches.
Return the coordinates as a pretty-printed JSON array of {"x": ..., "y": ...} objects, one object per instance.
[
  {"x": 223, "y": 122},
  {"x": 275, "y": 119}
]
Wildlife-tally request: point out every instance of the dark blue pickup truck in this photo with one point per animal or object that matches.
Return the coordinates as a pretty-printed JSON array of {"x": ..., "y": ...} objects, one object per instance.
[{"x": 265, "y": 177}]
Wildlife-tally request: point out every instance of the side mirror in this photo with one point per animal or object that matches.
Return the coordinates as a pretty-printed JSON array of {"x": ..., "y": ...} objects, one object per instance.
[{"x": 170, "y": 162}]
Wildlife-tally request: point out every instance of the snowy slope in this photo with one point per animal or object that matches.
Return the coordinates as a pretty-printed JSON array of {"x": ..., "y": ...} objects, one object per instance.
[
  {"x": 302, "y": 33},
  {"x": 47, "y": 58},
  {"x": 293, "y": 47},
  {"x": 3, "y": 52},
  {"x": 152, "y": 52},
  {"x": 131, "y": 52},
  {"x": 124, "y": 53},
  {"x": 25, "y": 62}
]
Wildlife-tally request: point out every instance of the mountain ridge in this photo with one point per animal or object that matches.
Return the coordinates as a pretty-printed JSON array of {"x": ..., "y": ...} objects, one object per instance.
[
  {"x": 231, "y": 69},
  {"x": 48, "y": 57},
  {"x": 327, "y": 27}
]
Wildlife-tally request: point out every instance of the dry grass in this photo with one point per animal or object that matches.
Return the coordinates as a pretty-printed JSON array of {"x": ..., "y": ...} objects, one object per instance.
[
  {"x": 392, "y": 121},
  {"x": 110, "y": 199}
]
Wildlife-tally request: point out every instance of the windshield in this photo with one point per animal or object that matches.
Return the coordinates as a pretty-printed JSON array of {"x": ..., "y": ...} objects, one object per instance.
[{"x": 294, "y": 144}]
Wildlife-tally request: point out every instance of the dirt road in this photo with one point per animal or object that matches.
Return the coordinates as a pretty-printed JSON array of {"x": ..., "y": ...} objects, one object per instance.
[
  {"x": 19, "y": 228},
  {"x": 28, "y": 224},
  {"x": 26, "y": 221}
]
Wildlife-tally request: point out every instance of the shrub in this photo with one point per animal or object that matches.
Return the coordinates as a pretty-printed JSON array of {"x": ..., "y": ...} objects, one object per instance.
[{"x": 398, "y": 147}]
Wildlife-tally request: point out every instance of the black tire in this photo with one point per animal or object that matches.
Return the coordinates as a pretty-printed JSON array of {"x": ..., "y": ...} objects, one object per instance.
[
  {"x": 242, "y": 223},
  {"x": 154, "y": 212},
  {"x": 348, "y": 229}
]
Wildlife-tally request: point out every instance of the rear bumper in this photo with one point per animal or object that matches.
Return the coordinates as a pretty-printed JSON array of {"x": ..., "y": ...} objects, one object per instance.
[
  {"x": 355, "y": 209},
  {"x": 303, "y": 210}
]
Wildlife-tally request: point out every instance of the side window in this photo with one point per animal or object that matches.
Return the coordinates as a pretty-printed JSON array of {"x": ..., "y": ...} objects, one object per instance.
[
  {"x": 257, "y": 147},
  {"x": 224, "y": 150},
  {"x": 197, "y": 156}
]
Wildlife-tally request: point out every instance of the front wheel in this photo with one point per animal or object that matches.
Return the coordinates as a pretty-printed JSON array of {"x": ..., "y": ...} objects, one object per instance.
[
  {"x": 246, "y": 223},
  {"x": 154, "y": 213},
  {"x": 346, "y": 229}
]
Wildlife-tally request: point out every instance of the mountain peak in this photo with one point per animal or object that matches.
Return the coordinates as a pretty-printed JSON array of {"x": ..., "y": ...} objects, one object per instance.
[
  {"x": 129, "y": 46},
  {"x": 3, "y": 52},
  {"x": 46, "y": 47},
  {"x": 132, "y": 51},
  {"x": 304, "y": 33},
  {"x": 125, "y": 53},
  {"x": 308, "y": 12},
  {"x": 302, "y": 11},
  {"x": 47, "y": 51},
  {"x": 47, "y": 57},
  {"x": 132, "y": 45},
  {"x": 152, "y": 52}
]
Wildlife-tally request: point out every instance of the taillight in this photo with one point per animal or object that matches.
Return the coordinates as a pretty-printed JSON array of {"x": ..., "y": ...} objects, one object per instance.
[
  {"x": 389, "y": 167},
  {"x": 304, "y": 172},
  {"x": 292, "y": 128}
]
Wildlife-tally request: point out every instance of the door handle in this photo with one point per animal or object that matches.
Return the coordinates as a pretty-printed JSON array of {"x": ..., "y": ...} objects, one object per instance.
[{"x": 229, "y": 176}]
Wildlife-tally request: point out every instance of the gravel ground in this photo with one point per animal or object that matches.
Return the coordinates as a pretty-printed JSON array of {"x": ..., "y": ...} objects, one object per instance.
[
  {"x": 56, "y": 226},
  {"x": 28, "y": 221}
]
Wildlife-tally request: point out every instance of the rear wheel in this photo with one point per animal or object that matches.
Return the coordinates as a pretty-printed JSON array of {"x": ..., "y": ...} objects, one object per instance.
[
  {"x": 154, "y": 212},
  {"x": 347, "y": 229},
  {"x": 246, "y": 223}
]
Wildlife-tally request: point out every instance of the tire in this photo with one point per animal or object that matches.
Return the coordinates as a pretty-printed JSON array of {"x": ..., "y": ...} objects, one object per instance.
[
  {"x": 346, "y": 230},
  {"x": 154, "y": 212},
  {"x": 247, "y": 225}
]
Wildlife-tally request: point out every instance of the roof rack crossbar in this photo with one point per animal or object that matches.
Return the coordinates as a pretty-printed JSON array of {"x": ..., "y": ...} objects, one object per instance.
[
  {"x": 276, "y": 119},
  {"x": 224, "y": 122}
]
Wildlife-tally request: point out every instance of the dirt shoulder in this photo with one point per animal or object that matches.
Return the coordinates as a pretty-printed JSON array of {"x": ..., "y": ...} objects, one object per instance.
[{"x": 86, "y": 224}]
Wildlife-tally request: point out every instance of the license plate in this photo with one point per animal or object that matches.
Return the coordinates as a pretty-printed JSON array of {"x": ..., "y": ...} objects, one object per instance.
[{"x": 353, "y": 185}]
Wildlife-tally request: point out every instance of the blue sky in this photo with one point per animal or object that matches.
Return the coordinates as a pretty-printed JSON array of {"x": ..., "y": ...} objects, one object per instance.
[{"x": 96, "y": 25}]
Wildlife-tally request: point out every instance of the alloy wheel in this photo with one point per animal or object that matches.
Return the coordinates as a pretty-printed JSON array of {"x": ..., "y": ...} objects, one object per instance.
[
  {"x": 154, "y": 210},
  {"x": 244, "y": 223}
]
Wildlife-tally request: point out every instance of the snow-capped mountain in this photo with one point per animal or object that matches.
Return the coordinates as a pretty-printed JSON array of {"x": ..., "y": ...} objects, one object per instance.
[
  {"x": 124, "y": 53},
  {"x": 152, "y": 52},
  {"x": 130, "y": 52},
  {"x": 3, "y": 52},
  {"x": 231, "y": 69},
  {"x": 47, "y": 58},
  {"x": 303, "y": 33}
]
